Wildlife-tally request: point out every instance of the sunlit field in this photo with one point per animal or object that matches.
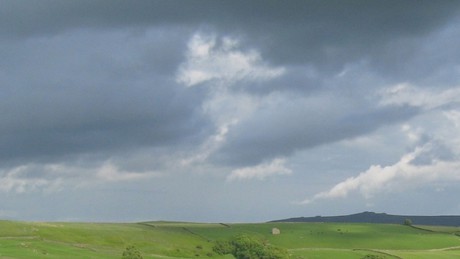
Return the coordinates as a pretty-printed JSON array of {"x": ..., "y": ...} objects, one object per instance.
[{"x": 192, "y": 240}]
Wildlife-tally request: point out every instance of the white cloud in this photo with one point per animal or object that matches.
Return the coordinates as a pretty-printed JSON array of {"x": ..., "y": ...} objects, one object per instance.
[
  {"x": 435, "y": 157},
  {"x": 110, "y": 172},
  {"x": 210, "y": 59},
  {"x": 412, "y": 134},
  {"x": 220, "y": 62},
  {"x": 275, "y": 167},
  {"x": 407, "y": 94},
  {"x": 433, "y": 160},
  {"x": 226, "y": 109},
  {"x": 405, "y": 173},
  {"x": 454, "y": 117},
  {"x": 452, "y": 133},
  {"x": 52, "y": 177},
  {"x": 20, "y": 180},
  {"x": 212, "y": 144}
]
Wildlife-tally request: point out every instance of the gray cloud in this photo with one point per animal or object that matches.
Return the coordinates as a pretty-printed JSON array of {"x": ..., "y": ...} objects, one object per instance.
[
  {"x": 104, "y": 94},
  {"x": 282, "y": 131},
  {"x": 88, "y": 92},
  {"x": 324, "y": 33}
]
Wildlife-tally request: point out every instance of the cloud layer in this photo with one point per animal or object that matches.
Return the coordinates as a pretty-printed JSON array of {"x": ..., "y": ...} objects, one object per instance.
[{"x": 182, "y": 109}]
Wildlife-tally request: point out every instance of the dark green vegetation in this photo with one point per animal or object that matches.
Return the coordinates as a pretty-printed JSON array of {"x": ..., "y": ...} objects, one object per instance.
[
  {"x": 131, "y": 253},
  {"x": 381, "y": 218},
  {"x": 247, "y": 247},
  {"x": 192, "y": 240}
]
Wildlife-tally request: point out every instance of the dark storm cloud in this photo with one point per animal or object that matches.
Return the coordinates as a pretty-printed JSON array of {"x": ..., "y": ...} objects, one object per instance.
[
  {"x": 328, "y": 33},
  {"x": 77, "y": 122},
  {"x": 55, "y": 102},
  {"x": 55, "y": 128},
  {"x": 91, "y": 92}
]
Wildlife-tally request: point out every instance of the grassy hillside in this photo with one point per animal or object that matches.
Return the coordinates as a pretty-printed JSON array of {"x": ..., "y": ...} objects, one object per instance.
[{"x": 192, "y": 240}]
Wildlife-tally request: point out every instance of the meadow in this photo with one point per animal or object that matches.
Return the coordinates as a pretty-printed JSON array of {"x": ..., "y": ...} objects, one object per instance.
[{"x": 193, "y": 240}]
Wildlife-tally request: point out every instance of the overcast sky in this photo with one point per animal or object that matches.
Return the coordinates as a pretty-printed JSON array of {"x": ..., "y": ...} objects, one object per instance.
[{"x": 228, "y": 111}]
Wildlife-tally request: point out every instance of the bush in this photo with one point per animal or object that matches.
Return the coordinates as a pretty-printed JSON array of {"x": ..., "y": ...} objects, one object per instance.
[
  {"x": 223, "y": 247},
  {"x": 246, "y": 247},
  {"x": 131, "y": 253},
  {"x": 408, "y": 222}
]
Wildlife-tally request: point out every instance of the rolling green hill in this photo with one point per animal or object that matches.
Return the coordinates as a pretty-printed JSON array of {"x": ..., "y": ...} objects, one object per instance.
[{"x": 195, "y": 240}]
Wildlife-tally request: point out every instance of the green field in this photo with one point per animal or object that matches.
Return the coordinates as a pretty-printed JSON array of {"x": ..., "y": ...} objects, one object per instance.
[{"x": 192, "y": 240}]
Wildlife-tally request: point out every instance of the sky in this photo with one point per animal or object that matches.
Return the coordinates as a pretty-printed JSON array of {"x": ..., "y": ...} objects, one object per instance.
[{"x": 228, "y": 111}]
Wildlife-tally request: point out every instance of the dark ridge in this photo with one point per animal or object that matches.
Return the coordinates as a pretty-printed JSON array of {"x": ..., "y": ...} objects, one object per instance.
[{"x": 383, "y": 218}]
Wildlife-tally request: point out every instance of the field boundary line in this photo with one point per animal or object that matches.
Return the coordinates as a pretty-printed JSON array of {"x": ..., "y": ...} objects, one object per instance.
[
  {"x": 196, "y": 234},
  {"x": 424, "y": 229},
  {"x": 384, "y": 252},
  {"x": 225, "y": 225},
  {"x": 320, "y": 249},
  {"x": 20, "y": 237},
  {"x": 445, "y": 249},
  {"x": 146, "y": 224}
]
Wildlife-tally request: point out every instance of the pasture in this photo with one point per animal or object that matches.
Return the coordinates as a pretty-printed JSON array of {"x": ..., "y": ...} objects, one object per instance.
[{"x": 195, "y": 240}]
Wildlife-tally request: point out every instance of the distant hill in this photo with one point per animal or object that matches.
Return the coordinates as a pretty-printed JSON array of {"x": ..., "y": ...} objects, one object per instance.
[{"x": 372, "y": 217}]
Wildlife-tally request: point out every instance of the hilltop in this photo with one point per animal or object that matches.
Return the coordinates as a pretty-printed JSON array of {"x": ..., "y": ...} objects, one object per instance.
[{"x": 383, "y": 218}]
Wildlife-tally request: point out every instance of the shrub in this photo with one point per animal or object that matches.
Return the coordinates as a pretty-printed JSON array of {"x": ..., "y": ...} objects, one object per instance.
[
  {"x": 131, "y": 253},
  {"x": 408, "y": 222},
  {"x": 223, "y": 247},
  {"x": 246, "y": 247}
]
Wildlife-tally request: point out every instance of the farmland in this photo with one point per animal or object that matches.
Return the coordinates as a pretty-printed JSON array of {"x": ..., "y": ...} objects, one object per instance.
[{"x": 192, "y": 240}]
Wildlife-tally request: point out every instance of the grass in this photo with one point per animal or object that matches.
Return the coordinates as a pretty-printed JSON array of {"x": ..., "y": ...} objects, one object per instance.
[{"x": 191, "y": 240}]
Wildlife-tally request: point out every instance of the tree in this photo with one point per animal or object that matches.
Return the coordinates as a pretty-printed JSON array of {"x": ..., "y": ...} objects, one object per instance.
[
  {"x": 131, "y": 253},
  {"x": 408, "y": 222},
  {"x": 246, "y": 247}
]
